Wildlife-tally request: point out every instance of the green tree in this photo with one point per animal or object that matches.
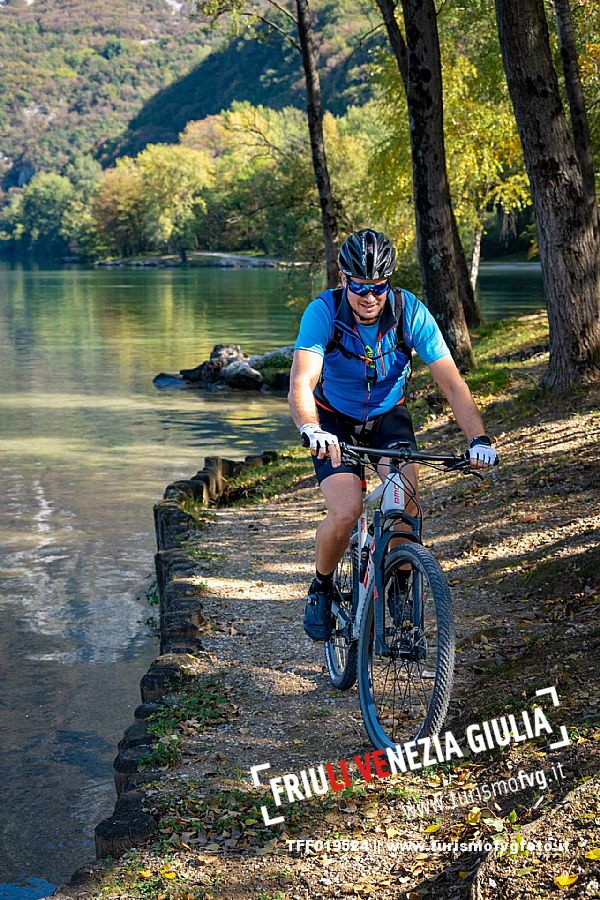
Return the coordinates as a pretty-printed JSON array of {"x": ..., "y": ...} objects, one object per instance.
[
  {"x": 84, "y": 173},
  {"x": 35, "y": 216},
  {"x": 297, "y": 25},
  {"x": 262, "y": 195},
  {"x": 484, "y": 157},
  {"x": 117, "y": 210},
  {"x": 173, "y": 180}
]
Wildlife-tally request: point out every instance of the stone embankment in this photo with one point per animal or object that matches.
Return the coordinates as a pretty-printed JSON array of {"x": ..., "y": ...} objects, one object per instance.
[
  {"x": 229, "y": 368},
  {"x": 180, "y": 608}
]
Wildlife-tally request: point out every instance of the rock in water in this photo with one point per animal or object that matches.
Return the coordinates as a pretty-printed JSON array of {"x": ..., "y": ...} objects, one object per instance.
[
  {"x": 228, "y": 352},
  {"x": 170, "y": 381},
  {"x": 239, "y": 374},
  {"x": 209, "y": 371}
]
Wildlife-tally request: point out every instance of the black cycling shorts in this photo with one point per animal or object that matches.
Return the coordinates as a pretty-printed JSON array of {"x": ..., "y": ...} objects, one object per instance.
[{"x": 395, "y": 425}]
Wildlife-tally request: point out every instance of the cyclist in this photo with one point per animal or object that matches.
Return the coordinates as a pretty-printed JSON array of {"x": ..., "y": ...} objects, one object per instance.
[{"x": 351, "y": 361}]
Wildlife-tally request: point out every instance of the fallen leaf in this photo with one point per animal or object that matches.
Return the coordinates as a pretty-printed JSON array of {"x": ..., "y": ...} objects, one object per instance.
[
  {"x": 145, "y": 873},
  {"x": 593, "y": 854},
  {"x": 564, "y": 880},
  {"x": 431, "y": 828},
  {"x": 474, "y": 815}
]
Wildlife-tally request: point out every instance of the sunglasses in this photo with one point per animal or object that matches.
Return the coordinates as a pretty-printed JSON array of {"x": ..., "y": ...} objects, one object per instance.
[{"x": 363, "y": 289}]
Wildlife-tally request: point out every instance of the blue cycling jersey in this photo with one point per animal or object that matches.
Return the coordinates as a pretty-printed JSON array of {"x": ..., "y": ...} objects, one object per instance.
[{"x": 365, "y": 377}]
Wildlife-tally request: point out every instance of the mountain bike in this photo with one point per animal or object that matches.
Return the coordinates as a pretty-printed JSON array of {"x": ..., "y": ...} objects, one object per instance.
[{"x": 394, "y": 629}]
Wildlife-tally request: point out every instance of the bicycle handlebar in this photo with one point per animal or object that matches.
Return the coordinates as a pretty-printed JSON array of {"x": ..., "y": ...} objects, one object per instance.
[{"x": 406, "y": 454}]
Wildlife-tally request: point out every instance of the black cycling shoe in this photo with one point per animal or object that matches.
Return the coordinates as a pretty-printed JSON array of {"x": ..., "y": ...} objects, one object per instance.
[{"x": 318, "y": 619}]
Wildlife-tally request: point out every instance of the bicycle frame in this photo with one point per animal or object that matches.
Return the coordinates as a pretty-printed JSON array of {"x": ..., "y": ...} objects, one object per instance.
[
  {"x": 372, "y": 579},
  {"x": 383, "y": 533}
]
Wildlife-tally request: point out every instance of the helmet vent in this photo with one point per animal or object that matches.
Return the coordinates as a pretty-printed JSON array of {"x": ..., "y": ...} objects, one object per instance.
[{"x": 367, "y": 254}]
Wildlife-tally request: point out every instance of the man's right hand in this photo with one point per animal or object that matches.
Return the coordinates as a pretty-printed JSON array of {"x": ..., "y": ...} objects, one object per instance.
[{"x": 321, "y": 443}]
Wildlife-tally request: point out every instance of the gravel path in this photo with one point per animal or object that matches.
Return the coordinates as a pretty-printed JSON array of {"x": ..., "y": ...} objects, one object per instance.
[{"x": 512, "y": 547}]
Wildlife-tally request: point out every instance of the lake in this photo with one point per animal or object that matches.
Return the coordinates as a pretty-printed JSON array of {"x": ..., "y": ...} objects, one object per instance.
[{"x": 87, "y": 445}]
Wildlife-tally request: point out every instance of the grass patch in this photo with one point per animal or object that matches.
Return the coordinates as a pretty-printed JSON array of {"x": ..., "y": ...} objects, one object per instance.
[
  {"x": 197, "y": 706},
  {"x": 258, "y": 483},
  {"x": 200, "y": 555},
  {"x": 193, "y": 507}
]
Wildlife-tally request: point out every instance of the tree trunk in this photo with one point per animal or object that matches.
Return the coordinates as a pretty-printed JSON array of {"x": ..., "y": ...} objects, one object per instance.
[
  {"x": 579, "y": 122},
  {"x": 429, "y": 165},
  {"x": 431, "y": 191},
  {"x": 317, "y": 143},
  {"x": 569, "y": 251},
  {"x": 476, "y": 257},
  {"x": 466, "y": 289}
]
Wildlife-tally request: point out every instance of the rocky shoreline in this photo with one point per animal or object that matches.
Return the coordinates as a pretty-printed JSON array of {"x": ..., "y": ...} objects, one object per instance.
[{"x": 201, "y": 258}]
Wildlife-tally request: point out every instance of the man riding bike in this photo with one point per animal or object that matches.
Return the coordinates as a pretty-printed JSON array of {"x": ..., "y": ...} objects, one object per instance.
[{"x": 351, "y": 361}]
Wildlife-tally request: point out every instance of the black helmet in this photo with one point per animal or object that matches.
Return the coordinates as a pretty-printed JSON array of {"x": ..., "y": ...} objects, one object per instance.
[{"x": 367, "y": 254}]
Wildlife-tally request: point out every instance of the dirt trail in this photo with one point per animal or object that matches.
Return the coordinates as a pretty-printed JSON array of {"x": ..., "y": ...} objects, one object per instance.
[{"x": 521, "y": 555}]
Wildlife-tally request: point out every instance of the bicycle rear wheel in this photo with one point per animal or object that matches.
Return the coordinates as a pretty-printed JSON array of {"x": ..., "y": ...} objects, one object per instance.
[
  {"x": 404, "y": 694},
  {"x": 341, "y": 649}
]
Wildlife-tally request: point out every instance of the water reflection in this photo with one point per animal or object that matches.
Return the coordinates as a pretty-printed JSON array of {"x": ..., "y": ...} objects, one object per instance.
[{"x": 509, "y": 289}]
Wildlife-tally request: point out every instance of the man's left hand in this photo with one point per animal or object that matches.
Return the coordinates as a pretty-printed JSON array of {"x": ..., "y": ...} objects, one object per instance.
[{"x": 482, "y": 454}]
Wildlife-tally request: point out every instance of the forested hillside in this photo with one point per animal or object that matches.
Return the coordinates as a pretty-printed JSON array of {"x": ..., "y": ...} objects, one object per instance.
[
  {"x": 105, "y": 78},
  {"x": 133, "y": 128}
]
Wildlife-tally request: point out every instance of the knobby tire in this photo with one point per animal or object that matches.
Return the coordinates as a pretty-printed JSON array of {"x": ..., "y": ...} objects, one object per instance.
[{"x": 403, "y": 699}]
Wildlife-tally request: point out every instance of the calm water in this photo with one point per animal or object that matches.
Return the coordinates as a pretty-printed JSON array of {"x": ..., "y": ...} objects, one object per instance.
[{"x": 83, "y": 433}]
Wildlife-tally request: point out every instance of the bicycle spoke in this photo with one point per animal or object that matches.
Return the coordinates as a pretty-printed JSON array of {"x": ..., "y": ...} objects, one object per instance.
[{"x": 403, "y": 682}]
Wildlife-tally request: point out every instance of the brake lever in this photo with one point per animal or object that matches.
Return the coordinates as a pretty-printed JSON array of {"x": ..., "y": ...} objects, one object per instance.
[
  {"x": 464, "y": 467},
  {"x": 350, "y": 456}
]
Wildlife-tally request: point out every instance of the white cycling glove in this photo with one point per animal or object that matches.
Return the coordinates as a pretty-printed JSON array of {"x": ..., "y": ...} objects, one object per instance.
[
  {"x": 481, "y": 450},
  {"x": 317, "y": 438}
]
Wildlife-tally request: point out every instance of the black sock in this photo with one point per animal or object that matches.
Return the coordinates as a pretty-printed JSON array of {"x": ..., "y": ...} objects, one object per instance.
[{"x": 324, "y": 580}]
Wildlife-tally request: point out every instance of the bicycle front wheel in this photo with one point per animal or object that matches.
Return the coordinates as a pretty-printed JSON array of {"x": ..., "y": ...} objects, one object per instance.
[
  {"x": 341, "y": 649},
  {"x": 405, "y": 691}
]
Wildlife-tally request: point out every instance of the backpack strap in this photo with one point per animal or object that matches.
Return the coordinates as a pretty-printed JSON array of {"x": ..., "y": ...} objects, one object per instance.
[
  {"x": 402, "y": 344},
  {"x": 334, "y": 342}
]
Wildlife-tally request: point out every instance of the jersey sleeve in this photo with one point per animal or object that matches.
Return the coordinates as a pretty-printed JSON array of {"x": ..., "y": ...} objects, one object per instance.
[
  {"x": 315, "y": 328},
  {"x": 425, "y": 332}
]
